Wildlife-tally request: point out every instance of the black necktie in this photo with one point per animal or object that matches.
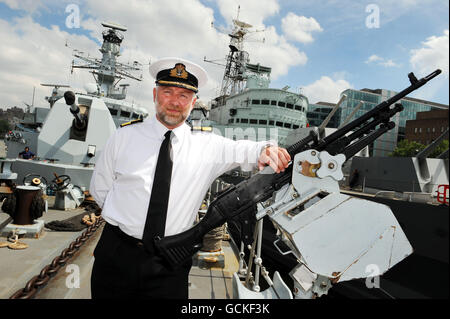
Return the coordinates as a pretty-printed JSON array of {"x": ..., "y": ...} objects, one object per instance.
[{"x": 155, "y": 223}]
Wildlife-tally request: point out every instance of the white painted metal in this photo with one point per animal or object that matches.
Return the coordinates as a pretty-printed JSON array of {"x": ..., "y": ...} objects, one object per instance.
[
  {"x": 279, "y": 290},
  {"x": 335, "y": 237}
]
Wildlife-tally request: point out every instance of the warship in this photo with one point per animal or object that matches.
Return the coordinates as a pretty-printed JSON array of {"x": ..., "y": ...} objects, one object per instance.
[
  {"x": 246, "y": 106},
  {"x": 298, "y": 270},
  {"x": 66, "y": 138}
]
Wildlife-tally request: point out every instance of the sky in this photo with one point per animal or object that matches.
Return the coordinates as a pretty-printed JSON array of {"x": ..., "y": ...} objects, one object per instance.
[{"x": 318, "y": 48}]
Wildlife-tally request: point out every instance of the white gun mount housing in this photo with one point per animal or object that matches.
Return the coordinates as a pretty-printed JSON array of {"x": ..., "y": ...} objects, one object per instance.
[{"x": 334, "y": 237}]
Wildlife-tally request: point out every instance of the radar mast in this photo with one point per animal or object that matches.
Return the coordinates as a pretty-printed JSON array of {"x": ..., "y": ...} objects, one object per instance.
[
  {"x": 107, "y": 71},
  {"x": 237, "y": 60}
]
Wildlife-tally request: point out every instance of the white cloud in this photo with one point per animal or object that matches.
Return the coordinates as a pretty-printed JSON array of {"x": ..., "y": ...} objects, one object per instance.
[
  {"x": 276, "y": 53},
  {"x": 183, "y": 28},
  {"x": 31, "y": 55},
  {"x": 35, "y": 54},
  {"x": 253, "y": 12},
  {"x": 373, "y": 58},
  {"x": 389, "y": 63},
  {"x": 381, "y": 61},
  {"x": 432, "y": 55},
  {"x": 299, "y": 28},
  {"x": 27, "y": 5},
  {"x": 325, "y": 90}
]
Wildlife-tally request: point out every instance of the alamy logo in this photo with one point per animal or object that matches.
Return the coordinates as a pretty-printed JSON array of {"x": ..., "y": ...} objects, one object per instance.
[
  {"x": 373, "y": 279},
  {"x": 73, "y": 19},
  {"x": 373, "y": 19},
  {"x": 73, "y": 279}
]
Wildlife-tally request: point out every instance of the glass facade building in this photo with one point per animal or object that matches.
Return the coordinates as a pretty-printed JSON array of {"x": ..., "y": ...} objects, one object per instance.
[{"x": 318, "y": 112}]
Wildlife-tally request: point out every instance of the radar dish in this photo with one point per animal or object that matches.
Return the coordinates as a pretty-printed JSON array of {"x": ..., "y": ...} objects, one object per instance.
[
  {"x": 56, "y": 85},
  {"x": 91, "y": 88},
  {"x": 114, "y": 26},
  {"x": 242, "y": 24}
]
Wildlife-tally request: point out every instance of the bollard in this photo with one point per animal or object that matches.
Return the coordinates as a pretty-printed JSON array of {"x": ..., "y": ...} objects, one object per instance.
[{"x": 24, "y": 196}]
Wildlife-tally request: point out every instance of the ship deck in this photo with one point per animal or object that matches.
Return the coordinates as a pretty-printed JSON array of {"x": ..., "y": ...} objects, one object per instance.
[{"x": 206, "y": 280}]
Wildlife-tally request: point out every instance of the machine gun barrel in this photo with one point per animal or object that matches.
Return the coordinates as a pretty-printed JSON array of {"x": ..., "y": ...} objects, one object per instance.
[
  {"x": 80, "y": 122},
  {"x": 244, "y": 196},
  {"x": 415, "y": 84}
]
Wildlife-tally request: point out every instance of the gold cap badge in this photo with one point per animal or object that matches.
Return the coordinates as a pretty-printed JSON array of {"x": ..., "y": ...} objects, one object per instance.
[{"x": 179, "y": 71}]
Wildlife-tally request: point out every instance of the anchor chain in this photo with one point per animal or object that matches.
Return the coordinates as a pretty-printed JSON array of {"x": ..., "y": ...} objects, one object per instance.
[{"x": 39, "y": 281}]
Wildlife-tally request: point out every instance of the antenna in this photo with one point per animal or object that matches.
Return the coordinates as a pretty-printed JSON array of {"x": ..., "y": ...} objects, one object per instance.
[
  {"x": 235, "y": 77},
  {"x": 330, "y": 115},
  {"x": 108, "y": 71}
]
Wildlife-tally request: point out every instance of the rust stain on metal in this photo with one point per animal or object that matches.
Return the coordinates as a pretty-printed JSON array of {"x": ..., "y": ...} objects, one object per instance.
[
  {"x": 392, "y": 246},
  {"x": 337, "y": 276}
]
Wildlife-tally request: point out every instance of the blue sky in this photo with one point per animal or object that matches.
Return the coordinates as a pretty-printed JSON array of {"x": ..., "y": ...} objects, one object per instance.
[{"x": 322, "y": 47}]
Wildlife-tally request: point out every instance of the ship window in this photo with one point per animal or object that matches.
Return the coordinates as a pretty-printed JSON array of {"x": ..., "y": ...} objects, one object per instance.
[
  {"x": 428, "y": 131},
  {"x": 253, "y": 121},
  {"x": 271, "y": 122},
  {"x": 112, "y": 111},
  {"x": 287, "y": 125},
  {"x": 273, "y": 102},
  {"x": 434, "y": 129},
  {"x": 282, "y": 104},
  {"x": 244, "y": 120},
  {"x": 237, "y": 120},
  {"x": 135, "y": 115},
  {"x": 415, "y": 130},
  {"x": 231, "y": 121},
  {"x": 289, "y": 106},
  {"x": 124, "y": 113},
  {"x": 263, "y": 122},
  {"x": 265, "y": 102},
  {"x": 294, "y": 126},
  {"x": 298, "y": 108},
  {"x": 280, "y": 124},
  {"x": 255, "y": 102}
]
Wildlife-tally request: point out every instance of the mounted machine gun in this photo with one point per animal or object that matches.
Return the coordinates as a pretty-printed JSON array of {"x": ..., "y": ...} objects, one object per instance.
[{"x": 333, "y": 236}]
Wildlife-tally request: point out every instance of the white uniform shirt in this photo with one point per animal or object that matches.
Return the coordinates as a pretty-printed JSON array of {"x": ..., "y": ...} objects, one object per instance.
[{"x": 123, "y": 177}]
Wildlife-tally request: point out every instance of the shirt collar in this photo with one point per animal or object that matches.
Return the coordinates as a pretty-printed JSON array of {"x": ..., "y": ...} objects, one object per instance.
[{"x": 159, "y": 129}]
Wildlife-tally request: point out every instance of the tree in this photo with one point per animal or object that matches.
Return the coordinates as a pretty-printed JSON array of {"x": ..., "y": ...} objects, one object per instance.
[
  {"x": 4, "y": 127},
  {"x": 407, "y": 148},
  {"x": 440, "y": 149}
]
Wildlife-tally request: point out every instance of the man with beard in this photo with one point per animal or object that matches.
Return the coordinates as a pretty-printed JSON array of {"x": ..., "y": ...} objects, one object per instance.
[{"x": 150, "y": 181}]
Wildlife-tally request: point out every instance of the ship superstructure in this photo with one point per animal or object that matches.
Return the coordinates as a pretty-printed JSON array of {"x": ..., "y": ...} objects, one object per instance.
[
  {"x": 246, "y": 107},
  {"x": 68, "y": 137}
]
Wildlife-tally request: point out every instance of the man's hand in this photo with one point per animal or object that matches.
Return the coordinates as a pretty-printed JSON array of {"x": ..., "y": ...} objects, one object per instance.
[{"x": 276, "y": 157}]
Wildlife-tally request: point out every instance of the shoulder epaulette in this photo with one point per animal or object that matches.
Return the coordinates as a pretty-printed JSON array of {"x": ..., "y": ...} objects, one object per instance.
[{"x": 131, "y": 122}]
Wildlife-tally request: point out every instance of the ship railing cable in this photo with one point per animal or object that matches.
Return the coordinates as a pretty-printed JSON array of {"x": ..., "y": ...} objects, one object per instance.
[
  {"x": 39, "y": 281},
  {"x": 408, "y": 190}
]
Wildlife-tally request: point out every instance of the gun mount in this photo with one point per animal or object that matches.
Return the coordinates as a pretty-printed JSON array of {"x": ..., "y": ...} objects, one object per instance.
[{"x": 79, "y": 125}]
